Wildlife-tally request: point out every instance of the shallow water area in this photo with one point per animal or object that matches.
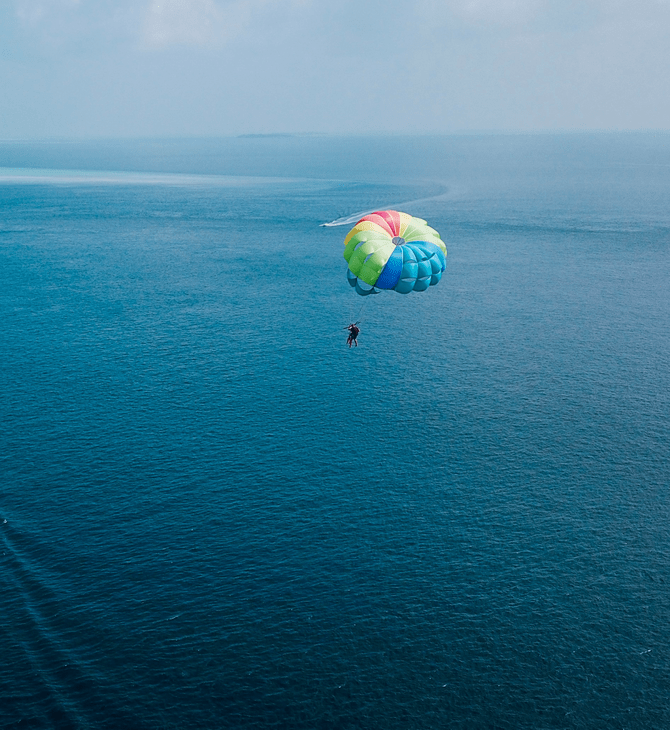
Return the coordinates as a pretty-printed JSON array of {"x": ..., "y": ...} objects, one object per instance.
[{"x": 215, "y": 514}]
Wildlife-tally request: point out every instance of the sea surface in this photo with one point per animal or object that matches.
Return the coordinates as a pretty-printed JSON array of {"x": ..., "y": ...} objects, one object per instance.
[{"x": 213, "y": 514}]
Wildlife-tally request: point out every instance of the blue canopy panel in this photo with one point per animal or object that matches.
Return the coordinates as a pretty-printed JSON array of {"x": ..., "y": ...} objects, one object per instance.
[
  {"x": 413, "y": 266},
  {"x": 423, "y": 264},
  {"x": 390, "y": 275}
]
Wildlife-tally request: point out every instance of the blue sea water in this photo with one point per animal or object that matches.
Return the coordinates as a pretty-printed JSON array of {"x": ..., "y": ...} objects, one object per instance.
[{"x": 213, "y": 514}]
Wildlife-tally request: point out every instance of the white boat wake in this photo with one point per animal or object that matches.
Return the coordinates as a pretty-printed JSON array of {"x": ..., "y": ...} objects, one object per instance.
[{"x": 348, "y": 220}]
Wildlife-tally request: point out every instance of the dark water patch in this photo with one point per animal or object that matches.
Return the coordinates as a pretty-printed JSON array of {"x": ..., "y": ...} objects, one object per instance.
[{"x": 220, "y": 516}]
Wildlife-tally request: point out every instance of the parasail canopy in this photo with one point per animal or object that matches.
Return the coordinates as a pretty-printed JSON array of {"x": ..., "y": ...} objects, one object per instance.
[{"x": 392, "y": 250}]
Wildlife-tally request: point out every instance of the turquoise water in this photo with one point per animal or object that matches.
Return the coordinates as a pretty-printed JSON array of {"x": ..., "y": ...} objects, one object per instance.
[{"x": 216, "y": 515}]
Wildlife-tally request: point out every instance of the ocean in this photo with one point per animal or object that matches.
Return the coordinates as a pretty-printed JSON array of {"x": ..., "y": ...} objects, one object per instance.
[{"x": 214, "y": 514}]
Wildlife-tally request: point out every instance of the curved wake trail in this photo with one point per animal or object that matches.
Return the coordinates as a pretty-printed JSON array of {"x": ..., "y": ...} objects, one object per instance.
[
  {"x": 347, "y": 219},
  {"x": 41, "y": 639},
  {"x": 355, "y": 217}
]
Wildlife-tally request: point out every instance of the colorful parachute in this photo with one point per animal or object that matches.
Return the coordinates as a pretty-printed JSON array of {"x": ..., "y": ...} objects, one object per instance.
[{"x": 391, "y": 250}]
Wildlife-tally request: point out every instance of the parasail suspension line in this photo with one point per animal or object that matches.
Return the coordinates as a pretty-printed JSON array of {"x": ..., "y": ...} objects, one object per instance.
[{"x": 365, "y": 299}]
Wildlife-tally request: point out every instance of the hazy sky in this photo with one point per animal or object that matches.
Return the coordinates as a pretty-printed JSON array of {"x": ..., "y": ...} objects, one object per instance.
[{"x": 215, "y": 67}]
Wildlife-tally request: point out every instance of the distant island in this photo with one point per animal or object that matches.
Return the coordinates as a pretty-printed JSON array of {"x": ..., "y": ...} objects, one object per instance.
[{"x": 272, "y": 135}]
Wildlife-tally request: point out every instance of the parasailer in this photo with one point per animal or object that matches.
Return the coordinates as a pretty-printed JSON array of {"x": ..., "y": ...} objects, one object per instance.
[
  {"x": 392, "y": 250},
  {"x": 353, "y": 334}
]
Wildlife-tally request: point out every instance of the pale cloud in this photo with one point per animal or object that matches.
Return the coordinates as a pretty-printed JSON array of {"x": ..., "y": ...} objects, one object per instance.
[
  {"x": 136, "y": 67},
  {"x": 479, "y": 13},
  {"x": 191, "y": 22},
  {"x": 149, "y": 25},
  {"x": 31, "y": 12},
  {"x": 55, "y": 26},
  {"x": 496, "y": 11},
  {"x": 202, "y": 22}
]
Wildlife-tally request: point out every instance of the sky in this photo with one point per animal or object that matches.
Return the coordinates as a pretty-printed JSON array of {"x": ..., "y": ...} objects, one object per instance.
[{"x": 174, "y": 68}]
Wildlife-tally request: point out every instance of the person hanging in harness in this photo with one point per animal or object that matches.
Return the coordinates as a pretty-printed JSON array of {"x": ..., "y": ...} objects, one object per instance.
[{"x": 353, "y": 334}]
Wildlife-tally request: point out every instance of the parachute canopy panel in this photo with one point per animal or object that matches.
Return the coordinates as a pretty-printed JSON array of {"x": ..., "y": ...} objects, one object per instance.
[{"x": 392, "y": 250}]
